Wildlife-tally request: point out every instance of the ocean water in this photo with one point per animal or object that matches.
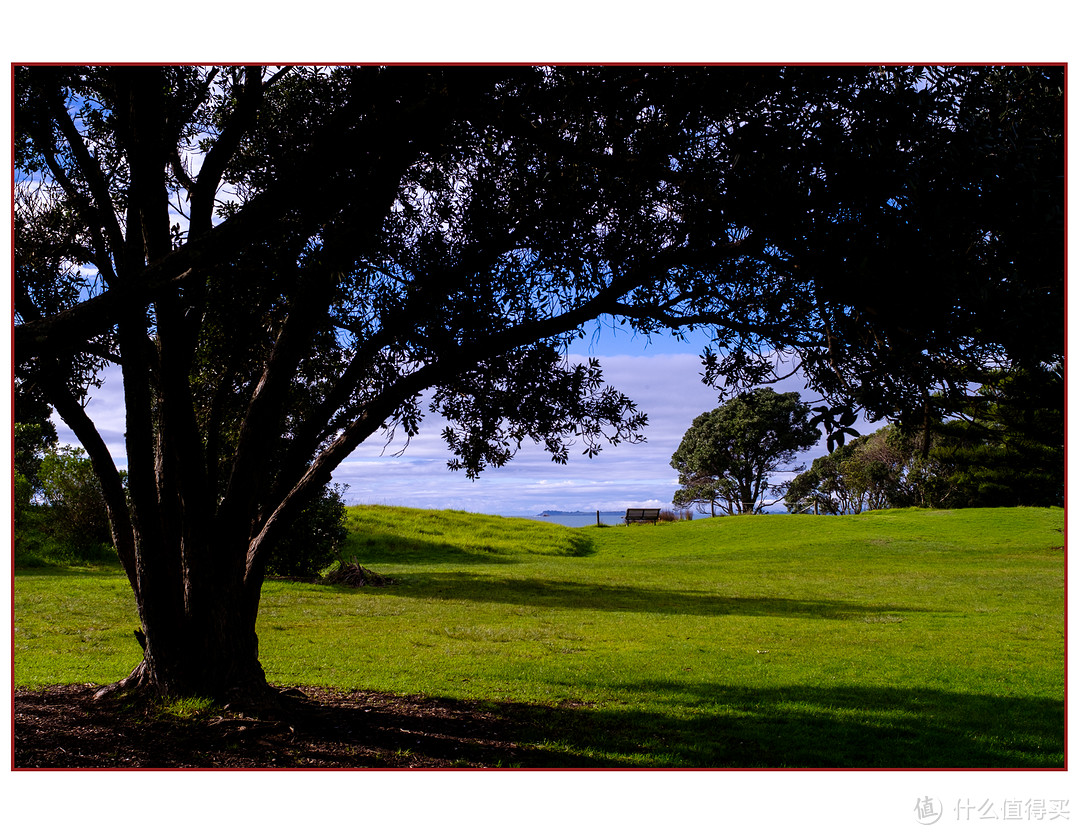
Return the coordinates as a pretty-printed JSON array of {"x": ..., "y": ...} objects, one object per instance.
[{"x": 580, "y": 520}]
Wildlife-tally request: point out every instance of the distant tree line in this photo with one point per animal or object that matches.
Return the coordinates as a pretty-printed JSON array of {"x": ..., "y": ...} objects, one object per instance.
[{"x": 1004, "y": 445}]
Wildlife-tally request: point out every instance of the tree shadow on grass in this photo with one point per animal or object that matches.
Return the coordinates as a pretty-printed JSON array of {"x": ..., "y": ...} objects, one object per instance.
[
  {"x": 847, "y": 727},
  {"x": 703, "y": 727},
  {"x": 391, "y": 549},
  {"x": 807, "y": 727},
  {"x": 569, "y": 594}
]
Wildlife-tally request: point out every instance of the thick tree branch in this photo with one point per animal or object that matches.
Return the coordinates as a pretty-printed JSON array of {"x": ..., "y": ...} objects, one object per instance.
[
  {"x": 104, "y": 215},
  {"x": 260, "y": 432},
  {"x": 240, "y": 121}
]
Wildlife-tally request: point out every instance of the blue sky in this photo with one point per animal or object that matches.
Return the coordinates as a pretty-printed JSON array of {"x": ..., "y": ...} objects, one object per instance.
[{"x": 662, "y": 376}]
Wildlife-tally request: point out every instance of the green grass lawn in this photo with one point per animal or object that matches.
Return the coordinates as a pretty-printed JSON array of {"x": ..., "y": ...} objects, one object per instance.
[{"x": 891, "y": 639}]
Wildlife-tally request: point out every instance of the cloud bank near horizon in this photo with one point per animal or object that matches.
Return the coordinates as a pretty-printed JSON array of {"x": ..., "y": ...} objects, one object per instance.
[{"x": 666, "y": 386}]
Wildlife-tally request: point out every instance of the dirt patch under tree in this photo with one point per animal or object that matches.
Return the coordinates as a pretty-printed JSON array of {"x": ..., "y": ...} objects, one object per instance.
[{"x": 64, "y": 727}]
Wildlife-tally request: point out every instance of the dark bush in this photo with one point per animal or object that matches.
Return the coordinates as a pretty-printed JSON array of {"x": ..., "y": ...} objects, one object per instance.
[
  {"x": 21, "y": 494},
  {"x": 29, "y": 444},
  {"x": 73, "y": 493},
  {"x": 314, "y": 539}
]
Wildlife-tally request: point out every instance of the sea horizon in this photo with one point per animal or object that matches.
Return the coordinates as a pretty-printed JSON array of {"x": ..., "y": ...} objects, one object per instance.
[{"x": 584, "y": 518}]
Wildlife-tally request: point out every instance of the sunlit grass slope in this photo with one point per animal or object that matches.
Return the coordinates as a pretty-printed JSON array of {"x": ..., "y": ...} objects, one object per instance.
[{"x": 892, "y": 639}]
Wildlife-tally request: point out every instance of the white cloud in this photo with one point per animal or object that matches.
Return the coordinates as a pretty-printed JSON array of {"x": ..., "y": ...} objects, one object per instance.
[
  {"x": 666, "y": 386},
  {"x": 105, "y": 407}
]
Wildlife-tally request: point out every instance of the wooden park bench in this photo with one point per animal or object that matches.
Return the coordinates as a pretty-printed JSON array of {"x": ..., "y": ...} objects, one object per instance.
[{"x": 642, "y": 514}]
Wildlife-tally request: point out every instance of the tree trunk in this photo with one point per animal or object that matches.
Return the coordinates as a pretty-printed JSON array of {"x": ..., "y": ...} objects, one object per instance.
[
  {"x": 198, "y": 633},
  {"x": 206, "y": 657}
]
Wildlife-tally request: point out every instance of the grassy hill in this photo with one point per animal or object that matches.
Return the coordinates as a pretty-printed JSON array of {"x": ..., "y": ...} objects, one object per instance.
[{"x": 890, "y": 639}]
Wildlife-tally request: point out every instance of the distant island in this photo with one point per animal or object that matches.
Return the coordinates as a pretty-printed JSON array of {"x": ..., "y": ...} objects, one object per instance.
[{"x": 578, "y": 512}]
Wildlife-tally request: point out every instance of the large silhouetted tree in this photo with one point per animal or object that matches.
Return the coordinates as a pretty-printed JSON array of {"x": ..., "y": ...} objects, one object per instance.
[{"x": 282, "y": 261}]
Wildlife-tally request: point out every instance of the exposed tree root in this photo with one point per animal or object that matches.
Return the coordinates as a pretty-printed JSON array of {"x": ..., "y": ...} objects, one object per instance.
[{"x": 253, "y": 698}]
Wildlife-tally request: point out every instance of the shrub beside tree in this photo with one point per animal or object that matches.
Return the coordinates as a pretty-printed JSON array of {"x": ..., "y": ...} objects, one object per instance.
[
  {"x": 73, "y": 492},
  {"x": 30, "y": 442},
  {"x": 59, "y": 508},
  {"x": 314, "y": 540},
  {"x": 73, "y": 513}
]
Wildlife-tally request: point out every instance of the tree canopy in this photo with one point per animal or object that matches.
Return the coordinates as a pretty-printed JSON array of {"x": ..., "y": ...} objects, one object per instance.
[
  {"x": 871, "y": 472},
  {"x": 284, "y": 261},
  {"x": 728, "y": 457}
]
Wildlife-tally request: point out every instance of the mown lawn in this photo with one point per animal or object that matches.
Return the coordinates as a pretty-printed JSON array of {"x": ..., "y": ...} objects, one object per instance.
[{"x": 891, "y": 639}]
